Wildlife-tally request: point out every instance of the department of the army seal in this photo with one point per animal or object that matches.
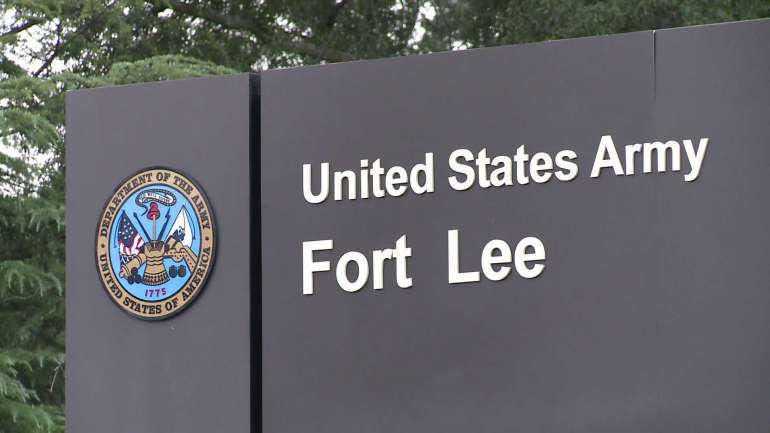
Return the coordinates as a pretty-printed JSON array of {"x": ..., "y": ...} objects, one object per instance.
[{"x": 155, "y": 243}]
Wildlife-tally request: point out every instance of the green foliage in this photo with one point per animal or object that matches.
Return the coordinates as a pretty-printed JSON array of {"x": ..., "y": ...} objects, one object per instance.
[
  {"x": 92, "y": 35},
  {"x": 48, "y": 47},
  {"x": 482, "y": 23}
]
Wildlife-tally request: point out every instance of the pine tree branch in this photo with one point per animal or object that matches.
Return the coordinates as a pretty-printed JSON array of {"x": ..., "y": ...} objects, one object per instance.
[
  {"x": 303, "y": 46},
  {"x": 411, "y": 22},
  {"x": 63, "y": 41},
  {"x": 227, "y": 21},
  {"x": 22, "y": 27},
  {"x": 51, "y": 57},
  {"x": 289, "y": 41},
  {"x": 10, "y": 68},
  {"x": 336, "y": 10}
]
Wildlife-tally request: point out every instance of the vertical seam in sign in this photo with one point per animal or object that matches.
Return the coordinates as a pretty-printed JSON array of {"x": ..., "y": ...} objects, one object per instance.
[
  {"x": 654, "y": 65},
  {"x": 255, "y": 242}
]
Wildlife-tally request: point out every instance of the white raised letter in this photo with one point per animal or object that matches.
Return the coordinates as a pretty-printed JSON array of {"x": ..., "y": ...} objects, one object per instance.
[
  {"x": 395, "y": 181},
  {"x": 378, "y": 264},
  {"x": 611, "y": 160},
  {"x": 457, "y": 167},
  {"x": 309, "y": 266},
  {"x": 695, "y": 159},
  {"x": 569, "y": 169},
  {"x": 521, "y": 257},
  {"x": 307, "y": 183},
  {"x": 363, "y": 271},
  {"x": 455, "y": 276},
  {"x": 400, "y": 254},
  {"x": 427, "y": 170},
  {"x": 348, "y": 177},
  {"x": 489, "y": 259},
  {"x": 661, "y": 149}
]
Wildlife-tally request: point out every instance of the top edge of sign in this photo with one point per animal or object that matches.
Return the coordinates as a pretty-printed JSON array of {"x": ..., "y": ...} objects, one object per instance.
[
  {"x": 253, "y": 76},
  {"x": 248, "y": 76},
  {"x": 470, "y": 51}
]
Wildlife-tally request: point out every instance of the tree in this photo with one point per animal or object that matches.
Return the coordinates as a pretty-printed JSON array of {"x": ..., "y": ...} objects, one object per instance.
[
  {"x": 50, "y": 46},
  {"x": 90, "y": 36},
  {"x": 483, "y": 23}
]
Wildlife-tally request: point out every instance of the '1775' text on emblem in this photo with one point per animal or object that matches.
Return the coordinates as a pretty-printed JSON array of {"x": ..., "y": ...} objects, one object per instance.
[{"x": 155, "y": 243}]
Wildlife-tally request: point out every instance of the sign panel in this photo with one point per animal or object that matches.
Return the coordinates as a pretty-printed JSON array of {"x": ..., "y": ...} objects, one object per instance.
[
  {"x": 560, "y": 237},
  {"x": 188, "y": 145}
]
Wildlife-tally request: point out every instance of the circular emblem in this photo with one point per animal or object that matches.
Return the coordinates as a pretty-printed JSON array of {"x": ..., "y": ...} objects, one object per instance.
[{"x": 155, "y": 243}]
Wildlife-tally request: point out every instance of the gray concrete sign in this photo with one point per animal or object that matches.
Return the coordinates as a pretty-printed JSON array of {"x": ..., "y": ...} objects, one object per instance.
[{"x": 558, "y": 237}]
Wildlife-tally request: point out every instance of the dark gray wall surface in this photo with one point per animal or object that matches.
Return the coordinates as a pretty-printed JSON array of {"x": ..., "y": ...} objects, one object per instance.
[
  {"x": 714, "y": 257},
  {"x": 654, "y": 309},
  {"x": 651, "y": 314},
  {"x": 189, "y": 374}
]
